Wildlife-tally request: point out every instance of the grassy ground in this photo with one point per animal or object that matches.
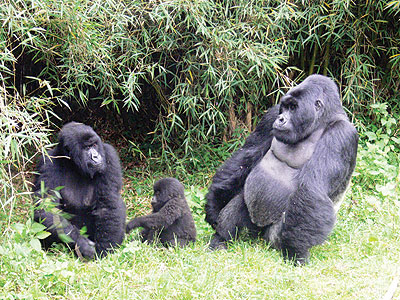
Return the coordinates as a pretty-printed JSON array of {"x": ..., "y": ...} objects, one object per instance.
[{"x": 360, "y": 259}]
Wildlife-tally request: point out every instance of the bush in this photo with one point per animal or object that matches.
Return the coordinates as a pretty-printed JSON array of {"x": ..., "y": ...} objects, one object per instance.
[{"x": 204, "y": 65}]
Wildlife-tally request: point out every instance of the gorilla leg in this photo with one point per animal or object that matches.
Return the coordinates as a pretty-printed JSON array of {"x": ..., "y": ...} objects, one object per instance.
[
  {"x": 232, "y": 218},
  {"x": 309, "y": 220}
]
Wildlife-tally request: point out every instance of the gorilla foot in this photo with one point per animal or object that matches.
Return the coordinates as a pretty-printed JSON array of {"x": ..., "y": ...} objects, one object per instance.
[
  {"x": 217, "y": 243},
  {"x": 299, "y": 259}
]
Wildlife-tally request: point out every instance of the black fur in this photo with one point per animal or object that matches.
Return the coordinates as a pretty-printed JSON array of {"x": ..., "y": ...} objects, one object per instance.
[
  {"x": 171, "y": 221},
  {"x": 286, "y": 189},
  {"x": 90, "y": 173}
]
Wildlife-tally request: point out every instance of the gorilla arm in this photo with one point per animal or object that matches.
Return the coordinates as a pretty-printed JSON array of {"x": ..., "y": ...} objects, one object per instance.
[
  {"x": 164, "y": 218},
  {"x": 110, "y": 211},
  {"x": 48, "y": 213},
  {"x": 310, "y": 215},
  {"x": 61, "y": 229},
  {"x": 229, "y": 179}
]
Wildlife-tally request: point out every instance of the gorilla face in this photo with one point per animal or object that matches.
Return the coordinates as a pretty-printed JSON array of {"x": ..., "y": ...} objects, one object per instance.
[
  {"x": 84, "y": 147},
  {"x": 157, "y": 201},
  {"x": 159, "y": 198},
  {"x": 299, "y": 114},
  {"x": 93, "y": 156}
]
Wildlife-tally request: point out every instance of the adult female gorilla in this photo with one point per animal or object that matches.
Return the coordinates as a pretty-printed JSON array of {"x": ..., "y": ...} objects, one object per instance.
[
  {"x": 89, "y": 174},
  {"x": 290, "y": 172}
]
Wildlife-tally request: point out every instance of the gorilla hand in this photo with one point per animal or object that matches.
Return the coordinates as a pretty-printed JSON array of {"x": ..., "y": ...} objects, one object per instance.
[
  {"x": 135, "y": 223},
  {"x": 85, "y": 247}
]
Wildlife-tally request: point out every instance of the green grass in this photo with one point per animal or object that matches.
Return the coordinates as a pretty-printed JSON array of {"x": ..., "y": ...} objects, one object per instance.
[{"x": 359, "y": 260}]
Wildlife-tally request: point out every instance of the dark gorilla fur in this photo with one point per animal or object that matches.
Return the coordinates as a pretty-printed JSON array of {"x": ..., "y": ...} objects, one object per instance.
[
  {"x": 290, "y": 173},
  {"x": 89, "y": 173},
  {"x": 171, "y": 221}
]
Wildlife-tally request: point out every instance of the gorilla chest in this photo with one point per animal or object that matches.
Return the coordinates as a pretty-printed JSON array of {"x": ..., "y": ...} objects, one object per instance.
[
  {"x": 281, "y": 164},
  {"x": 275, "y": 171},
  {"x": 276, "y": 176},
  {"x": 269, "y": 180},
  {"x": 270, "y": 184},
  {"x": 78, "y": 192}
]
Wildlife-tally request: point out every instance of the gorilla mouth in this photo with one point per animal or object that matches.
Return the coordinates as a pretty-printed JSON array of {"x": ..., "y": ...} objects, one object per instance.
[
  {"x": 280, "y": 132},
  {"x": 94, "y": 169}
]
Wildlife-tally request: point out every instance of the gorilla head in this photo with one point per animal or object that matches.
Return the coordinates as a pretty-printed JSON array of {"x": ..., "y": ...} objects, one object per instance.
[
  {"x": 307, "y": 108},
  {"x": 84, "y": 147},
  {"x": 164, "y": 190}
]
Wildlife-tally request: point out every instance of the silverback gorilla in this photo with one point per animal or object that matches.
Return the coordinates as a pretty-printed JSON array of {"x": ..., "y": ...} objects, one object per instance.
[
  {"x": 171, "y": 221},
  {"x": 293, "y": 170},
  {"x": 88, "y": 172}
]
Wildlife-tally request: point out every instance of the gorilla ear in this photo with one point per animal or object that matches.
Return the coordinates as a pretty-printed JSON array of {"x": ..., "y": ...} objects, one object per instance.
[
  {"x": 63, "y": 148},
  {"x": 66, "y": 150},
  {"x": 319, "y": 104}
]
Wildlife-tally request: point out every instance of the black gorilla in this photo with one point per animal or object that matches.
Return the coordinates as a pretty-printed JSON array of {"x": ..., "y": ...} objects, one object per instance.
[
  {"x": 171, "y": 220},
  {"x": 290, "y": 173},
  {"x": 89, "y": 173}
]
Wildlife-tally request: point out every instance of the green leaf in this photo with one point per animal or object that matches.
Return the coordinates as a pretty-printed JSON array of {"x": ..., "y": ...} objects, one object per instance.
[
  {"x": 37, "y": 227},
  {"x": 65, "y": 238},
  {"x": 19, "y": 227},
  {"x": 42, "y": 235},
  {"x": 35, "y": 244}
]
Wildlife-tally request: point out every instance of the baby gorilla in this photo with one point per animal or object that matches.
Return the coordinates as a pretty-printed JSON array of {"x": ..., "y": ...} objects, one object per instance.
[{"x": 171, "y": 220}]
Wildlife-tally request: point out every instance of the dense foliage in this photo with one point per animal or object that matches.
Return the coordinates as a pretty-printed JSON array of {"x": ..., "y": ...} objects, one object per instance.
[{"x": 205, "y": 63}]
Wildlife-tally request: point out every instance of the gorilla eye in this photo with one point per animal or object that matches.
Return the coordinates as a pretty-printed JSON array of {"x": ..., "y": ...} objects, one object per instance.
[
  {"x": 292, "y": 106},
  {"x": 87, "y": 147}
]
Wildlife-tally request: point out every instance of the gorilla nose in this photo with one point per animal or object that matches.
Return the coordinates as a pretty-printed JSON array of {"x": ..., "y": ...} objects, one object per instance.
[
  {"x": 96, "y": 157},
  {"x": 281, "y": 120}
]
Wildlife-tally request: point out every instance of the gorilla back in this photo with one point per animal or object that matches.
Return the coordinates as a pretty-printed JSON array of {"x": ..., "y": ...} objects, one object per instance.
[
  {"x": 89, "y": 175},
  {"x": 298, "y": 172}
]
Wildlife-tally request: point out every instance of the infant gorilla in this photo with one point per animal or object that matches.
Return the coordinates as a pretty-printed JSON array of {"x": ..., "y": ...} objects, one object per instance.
[{"x": 171, "y": 221}]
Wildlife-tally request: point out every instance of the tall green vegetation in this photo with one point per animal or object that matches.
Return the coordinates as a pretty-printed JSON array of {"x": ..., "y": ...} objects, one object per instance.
[
  {"x": 209, "y": 63},
  {"x": 207, "y": 69}
]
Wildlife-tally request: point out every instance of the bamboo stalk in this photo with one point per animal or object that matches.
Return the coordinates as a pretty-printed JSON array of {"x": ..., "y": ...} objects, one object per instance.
[
  {"x": 327, "y": 56},
  {"x": 311, "y": 70},
  {"x": 249, "y": 115}
]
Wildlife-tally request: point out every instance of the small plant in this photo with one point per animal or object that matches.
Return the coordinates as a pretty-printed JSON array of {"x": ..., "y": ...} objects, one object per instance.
[
  {"x": 379, "y": 156},
  {"x": 27, "y": 237}
]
